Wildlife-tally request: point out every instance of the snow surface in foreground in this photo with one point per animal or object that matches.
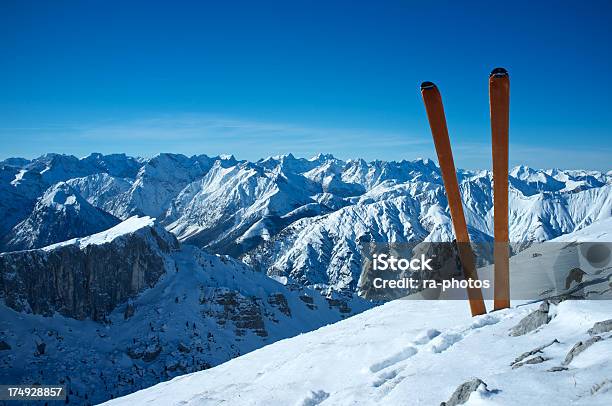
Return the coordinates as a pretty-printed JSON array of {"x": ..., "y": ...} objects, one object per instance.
[{"x": 409, "y": 353}]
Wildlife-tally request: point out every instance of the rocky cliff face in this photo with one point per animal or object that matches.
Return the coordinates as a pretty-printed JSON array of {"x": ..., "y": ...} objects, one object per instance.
[{"x": 84, "y": 282}]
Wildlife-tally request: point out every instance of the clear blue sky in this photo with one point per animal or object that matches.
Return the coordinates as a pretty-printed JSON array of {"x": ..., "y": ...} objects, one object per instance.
[{"x": 264, "y": 78}]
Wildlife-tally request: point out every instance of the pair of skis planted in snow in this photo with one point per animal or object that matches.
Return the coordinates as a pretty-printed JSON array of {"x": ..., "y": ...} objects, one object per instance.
[{"x": 499, "y": 97}]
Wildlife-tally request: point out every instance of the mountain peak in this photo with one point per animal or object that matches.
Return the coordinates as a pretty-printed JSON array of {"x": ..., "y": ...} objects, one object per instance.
[
  {"x": 59, "y": 195},
  {"x": 321, "y": 157}
]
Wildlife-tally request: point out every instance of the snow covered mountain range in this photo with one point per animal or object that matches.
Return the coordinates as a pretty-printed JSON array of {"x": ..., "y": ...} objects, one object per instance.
[
  {"x": 120, "y": 272},
  {"x": 301, "y": 219}
]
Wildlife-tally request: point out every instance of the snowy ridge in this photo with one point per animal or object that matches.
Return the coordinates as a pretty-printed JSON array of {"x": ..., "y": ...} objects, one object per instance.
[{"x": 128, "y": 226}]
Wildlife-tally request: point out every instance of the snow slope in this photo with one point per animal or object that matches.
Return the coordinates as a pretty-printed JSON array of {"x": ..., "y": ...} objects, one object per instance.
[
  {"x": 598, "y": 231},
  {"x": 130, "y": 225},
  {"x": 409, "y": 352}
]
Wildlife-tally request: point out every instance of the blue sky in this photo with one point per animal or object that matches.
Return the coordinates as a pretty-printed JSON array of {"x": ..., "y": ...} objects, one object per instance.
[{"x": 263, "y": 78}]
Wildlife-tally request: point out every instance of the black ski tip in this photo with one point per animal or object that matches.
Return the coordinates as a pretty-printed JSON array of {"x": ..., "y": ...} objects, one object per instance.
[
  {"x": 498, "y": 73},
  {"x": 427, "y": 85}
]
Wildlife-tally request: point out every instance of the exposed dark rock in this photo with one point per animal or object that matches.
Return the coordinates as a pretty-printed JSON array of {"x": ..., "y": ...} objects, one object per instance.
[
  {"x": 532, "y": 321},
  {"x": 4, "y": 346},
  {"x": 309, "y": 301},
  {"x": 183, "y": 348},
  {"x": 40, "y": 348},
  {"x": 535, "y": 360},
  {"x": 579, "y": 347},
  {"x": 151, "y": 352},
  {"x": 558, "y": 369},
  {"x": 344, "y": 308},
  {"x": 601, "y": 327},
  {"x": 148, "y": 353},
  {"x": 575, "y": 294},
  {"x": 306, "y": 299},
  {"x": 279, "y": 301},
  {"x": 597, "y": 387},
  {"x": 340, "y": 304},
  {"x": 134, "y": 352},
  {"x": 88, "y": 282},
  {"x": 575, "y": 275},
  {"x": 130, "y": 309},
  {"x": 463, "y": 392},
  {"x": 245, "y": 312},
  {"x": 533, "y": 352},
  {"x": 174, "y": 365}
]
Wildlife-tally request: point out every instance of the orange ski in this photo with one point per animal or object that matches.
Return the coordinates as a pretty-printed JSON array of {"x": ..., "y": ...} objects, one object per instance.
[
  {"x": 499, "y": 96},
  {"x": 439, "y": 131}
]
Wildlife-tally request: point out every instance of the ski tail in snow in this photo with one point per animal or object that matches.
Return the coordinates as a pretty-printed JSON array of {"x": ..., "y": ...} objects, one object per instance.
[
  {"x": 439, "y": 131},
  {"x": 499, "y": 97}
]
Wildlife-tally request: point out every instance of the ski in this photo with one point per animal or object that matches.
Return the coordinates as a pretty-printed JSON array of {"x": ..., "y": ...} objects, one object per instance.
[
  {"x": 439, "y": 131},
  {"x": 499, "y": 98}
]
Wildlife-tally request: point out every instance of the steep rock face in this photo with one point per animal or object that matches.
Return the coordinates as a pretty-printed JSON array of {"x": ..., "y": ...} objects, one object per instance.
[
  {"x": 60, "y": 214},
  {"x": 226, "y": 305},
  {"x": 84, "y": 282}
]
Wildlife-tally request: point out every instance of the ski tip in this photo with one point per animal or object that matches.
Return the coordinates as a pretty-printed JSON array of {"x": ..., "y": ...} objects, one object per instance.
[
  {"x": 427, "y": 85},
  {"x": 498, "y": 73}
]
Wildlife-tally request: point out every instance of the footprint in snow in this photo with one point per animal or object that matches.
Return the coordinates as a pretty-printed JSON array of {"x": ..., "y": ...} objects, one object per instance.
[
  {"x": 423, "y": 338},
  {"x": 384, "y": 377},
  {"x": 390, "y": 384},
  {"x": 444, "y": 341},
  {"x": 486, "y": 320},
  {"x": 394, "y": 359},
  {"x": 313, "y": 398},
  {"x": 438, "y": 342},
  {"x": 426, "y": 336}
]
